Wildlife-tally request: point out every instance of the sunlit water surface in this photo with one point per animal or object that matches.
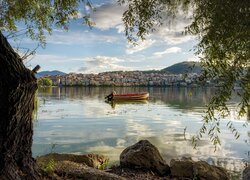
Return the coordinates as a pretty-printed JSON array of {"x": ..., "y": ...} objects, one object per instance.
[{"x": 78, "y": 120}]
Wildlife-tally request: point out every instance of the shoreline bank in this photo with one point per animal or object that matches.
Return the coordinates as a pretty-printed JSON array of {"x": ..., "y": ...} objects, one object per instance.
[{"x": 139, "y": 161}]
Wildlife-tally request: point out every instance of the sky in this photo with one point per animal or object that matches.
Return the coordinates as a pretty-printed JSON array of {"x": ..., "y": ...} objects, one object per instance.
[{"x": 105, "y": 48}]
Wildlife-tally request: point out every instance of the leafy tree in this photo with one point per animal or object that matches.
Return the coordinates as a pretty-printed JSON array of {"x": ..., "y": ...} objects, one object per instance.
[
  {"x": 44, "y": 82},
  {"x": 18, "y": 84},
  {"x": 39, "y": 17},
  {"x": 223, "y": 29}
]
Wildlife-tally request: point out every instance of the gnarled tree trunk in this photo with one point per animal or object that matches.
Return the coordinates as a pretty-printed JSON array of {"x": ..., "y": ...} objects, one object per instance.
[{"x": 17, "y": 90}]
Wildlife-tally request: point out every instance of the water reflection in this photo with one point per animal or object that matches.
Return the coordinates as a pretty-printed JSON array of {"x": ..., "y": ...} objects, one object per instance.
[
  {"x": 115, "y": 103},
  {"x": 181, "y": 98},
  {"x": 79, "y": 121}
]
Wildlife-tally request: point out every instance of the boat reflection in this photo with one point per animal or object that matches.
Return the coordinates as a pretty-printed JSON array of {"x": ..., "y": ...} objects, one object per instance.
[{"x": 114, "y": 103}]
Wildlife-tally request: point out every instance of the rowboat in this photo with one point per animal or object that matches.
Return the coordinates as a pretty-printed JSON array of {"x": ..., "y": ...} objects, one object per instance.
[{"x": 135, "y": 96}]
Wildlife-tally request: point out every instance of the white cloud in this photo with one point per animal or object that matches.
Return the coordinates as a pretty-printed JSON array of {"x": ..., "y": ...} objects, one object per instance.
[
  {"x": 102, "y": 64},
  {"x": 80, "y": 38},
  {"x": 109, "y": 16},
  {"x": 55, "y": 58},
  {"x": 193, "y": 58},
  {"x": 172, "y": 36},
  {"x": 131, "y": 49},
  {"x": 171, "y": 32},
  {"x": 120, "y": 28},
  {"x": 168, "y": 51}
]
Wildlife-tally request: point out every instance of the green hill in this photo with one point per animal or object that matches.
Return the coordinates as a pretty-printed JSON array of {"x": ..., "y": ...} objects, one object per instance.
[
  {"x": 184, "y": 67},
  {"x": 46, "y": 73}
]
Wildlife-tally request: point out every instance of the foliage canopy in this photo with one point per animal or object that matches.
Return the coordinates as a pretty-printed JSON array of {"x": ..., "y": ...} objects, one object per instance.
[
  {"x": 39, "y": 16},
  {"x": 223, "y": 30},
  {"x": 44, "y": 82}
]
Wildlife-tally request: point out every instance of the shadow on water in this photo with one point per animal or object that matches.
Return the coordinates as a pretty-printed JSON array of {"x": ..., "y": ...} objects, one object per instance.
[{"x": 114, "y": 103}]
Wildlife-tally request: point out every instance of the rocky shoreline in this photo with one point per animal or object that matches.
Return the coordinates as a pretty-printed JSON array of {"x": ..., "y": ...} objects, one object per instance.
[{"x": 139, "y": 161}]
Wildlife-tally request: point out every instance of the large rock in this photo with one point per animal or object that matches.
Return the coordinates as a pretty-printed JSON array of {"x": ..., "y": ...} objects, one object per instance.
[
  {"x": 72, "y": 170},
  {"x": 92, "y": 160},
  {"x": 144, "y": 155},
  {"x": 246, "y": 173},
  {"x": 188, "y": 168},
  {"x": 70, "y": 166}
]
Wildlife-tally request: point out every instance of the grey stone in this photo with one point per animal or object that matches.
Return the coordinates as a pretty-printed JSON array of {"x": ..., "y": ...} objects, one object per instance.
[
  {"x": 72, "y": 170},
  {"x": 144, "y": 155},
  {"x": 92, "y": 160},
  {"x": 201, "y": 170},
  {"x": 246, "y": 173}
]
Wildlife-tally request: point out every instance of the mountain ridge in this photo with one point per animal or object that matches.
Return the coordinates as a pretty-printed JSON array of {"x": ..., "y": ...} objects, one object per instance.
[
  {"x": 184, "y": 67},
  {"x": 52, "y": 73},
  {"x": 178, "y": 68}
]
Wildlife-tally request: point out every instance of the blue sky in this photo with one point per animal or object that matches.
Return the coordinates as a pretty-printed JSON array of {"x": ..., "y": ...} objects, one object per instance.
[{"x": 105, "y": 48}]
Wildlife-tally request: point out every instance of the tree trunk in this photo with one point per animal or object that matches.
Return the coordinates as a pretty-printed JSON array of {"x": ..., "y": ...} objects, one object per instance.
[{"x": 17, "y": 91}]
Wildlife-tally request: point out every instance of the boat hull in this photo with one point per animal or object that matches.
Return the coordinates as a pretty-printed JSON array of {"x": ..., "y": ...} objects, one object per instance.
[{"x": 141, "y": 96}]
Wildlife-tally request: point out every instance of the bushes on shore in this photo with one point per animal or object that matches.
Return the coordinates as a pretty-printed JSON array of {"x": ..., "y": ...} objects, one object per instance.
[{"x": 44, "y": 82}]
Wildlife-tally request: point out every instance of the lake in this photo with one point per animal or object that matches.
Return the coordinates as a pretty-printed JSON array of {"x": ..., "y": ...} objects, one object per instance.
[{"x": 78, "y": 120}]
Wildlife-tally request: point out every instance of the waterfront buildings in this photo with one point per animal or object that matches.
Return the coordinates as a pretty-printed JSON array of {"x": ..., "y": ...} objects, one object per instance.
[{"x": 124, "y": 78}]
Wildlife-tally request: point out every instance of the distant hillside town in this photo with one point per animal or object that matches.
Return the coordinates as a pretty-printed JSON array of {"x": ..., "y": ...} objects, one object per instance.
[
  {"x": 165, "y": 77},
  {"x": 130, "y": 78}
]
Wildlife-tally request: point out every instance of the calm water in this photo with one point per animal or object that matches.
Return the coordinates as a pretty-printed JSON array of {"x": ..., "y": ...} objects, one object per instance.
[{"x": 78, "y": 120}]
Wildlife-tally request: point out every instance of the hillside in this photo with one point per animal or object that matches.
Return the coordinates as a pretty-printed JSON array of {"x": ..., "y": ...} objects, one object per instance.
[
  {"x": 179, "y": 68},
  {"x": 46, "y": 73},
  {"x": 183, "y": 67}
]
